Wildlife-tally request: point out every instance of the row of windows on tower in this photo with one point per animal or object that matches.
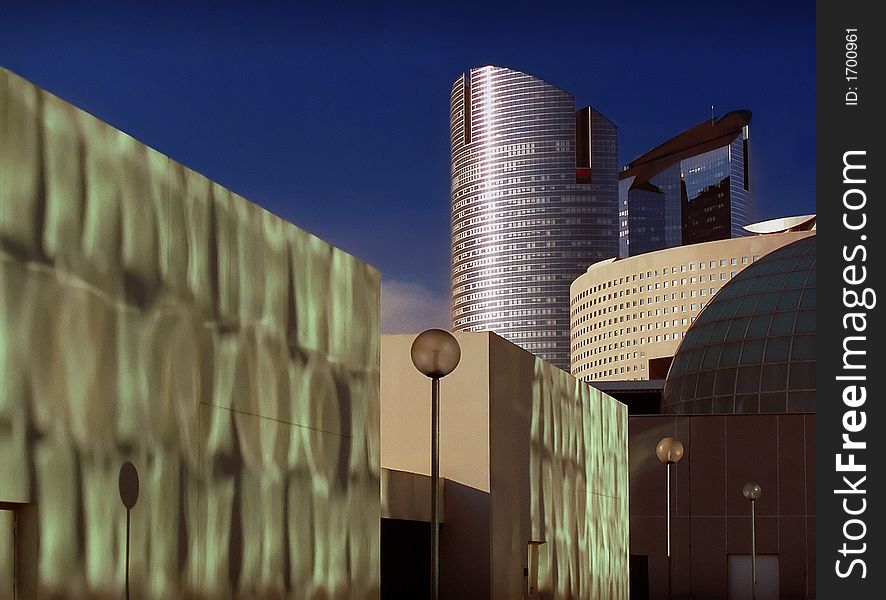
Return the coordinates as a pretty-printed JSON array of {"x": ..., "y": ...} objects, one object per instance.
[{"x": 683, "y": 268}]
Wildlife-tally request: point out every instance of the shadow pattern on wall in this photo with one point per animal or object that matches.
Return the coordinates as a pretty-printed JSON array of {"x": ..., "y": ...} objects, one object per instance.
[
  {"x": 149, "y": 315},
  {"x": 578, "y": 487},
  {"x": 560, "y": 483}
]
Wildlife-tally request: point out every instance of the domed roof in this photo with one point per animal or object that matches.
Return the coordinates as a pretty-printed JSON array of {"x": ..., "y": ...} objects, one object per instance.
[{"x": 752, "y": 349}]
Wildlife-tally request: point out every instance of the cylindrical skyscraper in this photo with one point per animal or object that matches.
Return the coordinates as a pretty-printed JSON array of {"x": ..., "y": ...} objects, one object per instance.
[{"x": 534, "y": 203}]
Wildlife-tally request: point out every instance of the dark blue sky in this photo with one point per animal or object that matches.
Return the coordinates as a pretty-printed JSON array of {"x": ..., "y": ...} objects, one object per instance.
[{"x": 337, "y": 120}]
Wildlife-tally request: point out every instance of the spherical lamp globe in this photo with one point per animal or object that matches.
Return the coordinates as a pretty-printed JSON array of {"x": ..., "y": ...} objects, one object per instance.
[
  {"x": 669, "y": 450},
  {"x": 435, "y": 353},
  {"x": 752, "y": 491}
]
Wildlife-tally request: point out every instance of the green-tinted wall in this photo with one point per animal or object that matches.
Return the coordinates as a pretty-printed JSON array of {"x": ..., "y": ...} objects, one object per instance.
[
  {"x": 148, "y": 314},
  {"x": 559, "y": 454}
]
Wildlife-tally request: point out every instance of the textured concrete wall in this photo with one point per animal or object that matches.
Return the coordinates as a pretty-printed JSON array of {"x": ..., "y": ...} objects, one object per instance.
[
  {"x": 559, "y": 451},
  {"x": 148, "y": 314}
]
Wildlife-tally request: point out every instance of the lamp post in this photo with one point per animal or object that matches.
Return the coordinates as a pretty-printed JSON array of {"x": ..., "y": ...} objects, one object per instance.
[
  {"x": 435, "y": 353},
  {"x": 669, "y": 451},
  {"x": 752, "y": 491}
]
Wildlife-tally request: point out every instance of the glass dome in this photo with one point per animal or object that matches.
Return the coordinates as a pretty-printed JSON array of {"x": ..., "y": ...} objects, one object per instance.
[{"x": 752, "y": 349}]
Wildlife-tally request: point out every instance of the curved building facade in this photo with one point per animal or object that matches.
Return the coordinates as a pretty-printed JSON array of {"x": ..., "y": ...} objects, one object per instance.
[
  {"x": 628, "y": 316},
  {"x": 753, "y": 349},
  {"x": 534, "y": 202}
]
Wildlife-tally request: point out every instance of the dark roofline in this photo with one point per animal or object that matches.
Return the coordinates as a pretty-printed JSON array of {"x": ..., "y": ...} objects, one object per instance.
[
  {"x": 695, "y": 140},
  {"x": 629, "y": 385}
]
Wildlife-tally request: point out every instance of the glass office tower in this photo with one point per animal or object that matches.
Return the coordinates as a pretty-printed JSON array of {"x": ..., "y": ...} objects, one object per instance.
[
  {"x": 693, "y": 188},
  {"x": 534, "y": 203}
]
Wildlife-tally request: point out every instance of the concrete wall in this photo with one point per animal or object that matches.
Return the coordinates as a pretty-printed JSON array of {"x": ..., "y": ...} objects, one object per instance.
[
  {"x": 149, "y": 315},
  {"x": 464, "y": 452},
  {"x": 710, "y": 517},
  {"x": 530, "y": 455},
  {"x": 464, "y": 412},
  {"x": 559, "y": 476}
]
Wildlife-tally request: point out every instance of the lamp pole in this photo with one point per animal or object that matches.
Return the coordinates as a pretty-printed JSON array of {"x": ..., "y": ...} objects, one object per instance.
[
  {"x": 435, "y": 353},
  {"x": 669, "y": 451},
  {"x": 435, "y": 488},
  {"x": 752, "y": 491}
]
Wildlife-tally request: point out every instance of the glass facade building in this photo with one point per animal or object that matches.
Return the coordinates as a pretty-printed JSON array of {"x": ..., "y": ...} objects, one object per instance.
[
  {"x": 693, "y": 188},
  {"x": 534, "y": 202}
]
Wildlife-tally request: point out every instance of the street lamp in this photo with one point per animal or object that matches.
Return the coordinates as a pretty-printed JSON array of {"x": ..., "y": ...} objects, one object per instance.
[
  {"x": 752, "y": 491},
  {"x": 669, "y": 451},
  {"x": 435, "y": 353}
]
